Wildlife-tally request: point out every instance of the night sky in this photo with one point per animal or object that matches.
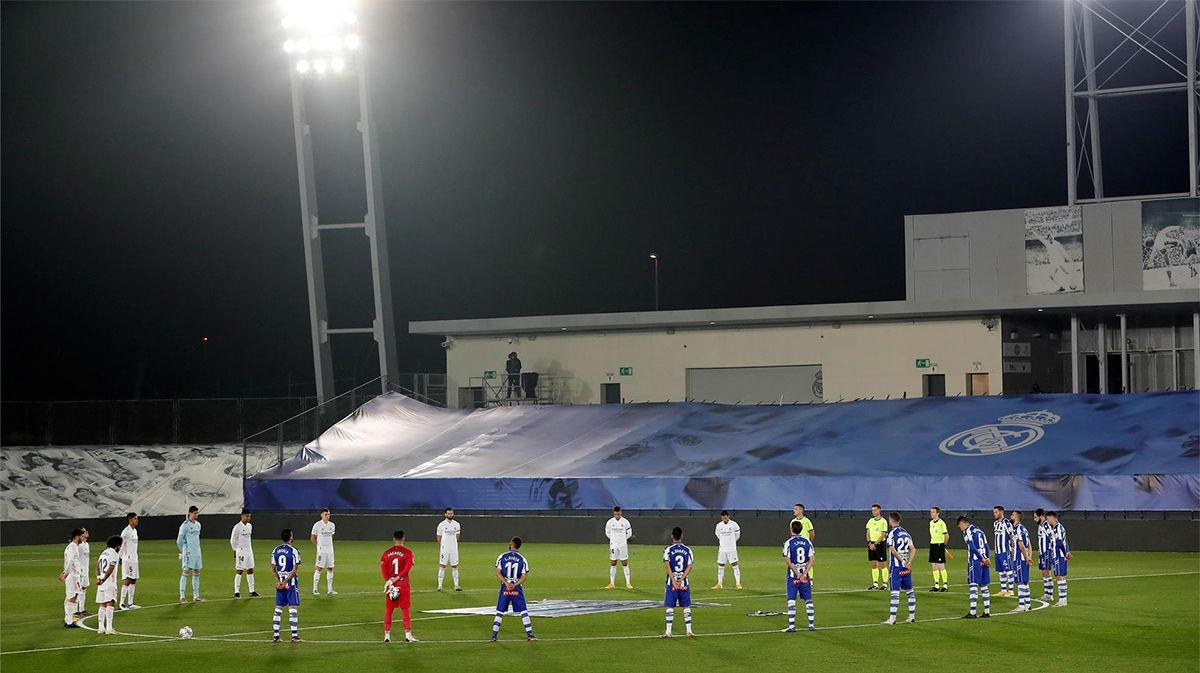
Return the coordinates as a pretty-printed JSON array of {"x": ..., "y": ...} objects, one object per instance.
[{"x": 533, "y": 155}]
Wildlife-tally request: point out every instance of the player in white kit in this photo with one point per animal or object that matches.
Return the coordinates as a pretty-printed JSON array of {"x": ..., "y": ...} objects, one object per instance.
[
  {"x": 243, "y": 555},
  {"x": 322, "y": 536},
  {"x": 106, "y": 585},
  {"x": 448, "y": 533},
  {"x": 71, "y": 574},
  {"x": 129, "y": 563},
  {"x": 85, "y": 581},
  {"x": 618, "y": 531},
  {"x": 728, "y": 533}
]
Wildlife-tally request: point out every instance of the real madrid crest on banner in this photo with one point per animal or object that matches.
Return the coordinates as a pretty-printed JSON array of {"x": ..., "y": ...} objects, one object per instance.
[{"x": 1012, "y": 432}]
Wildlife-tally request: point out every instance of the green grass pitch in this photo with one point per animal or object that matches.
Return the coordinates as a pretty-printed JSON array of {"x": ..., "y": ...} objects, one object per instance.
[{"x": 1128, "y": 611}]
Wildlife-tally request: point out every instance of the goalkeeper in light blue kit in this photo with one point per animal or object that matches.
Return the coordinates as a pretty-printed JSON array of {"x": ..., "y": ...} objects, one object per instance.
[{"x": 188, "y": 542}]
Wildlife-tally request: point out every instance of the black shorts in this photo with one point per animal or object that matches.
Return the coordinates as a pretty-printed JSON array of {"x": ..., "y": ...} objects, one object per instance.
[
  {"x": 937, "y": 553},
  {"x": 879, "y": 553}
]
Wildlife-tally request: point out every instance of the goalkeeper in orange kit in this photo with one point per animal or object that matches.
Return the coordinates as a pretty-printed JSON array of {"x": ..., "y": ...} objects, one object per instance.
[{"x": 395, "y": 565}]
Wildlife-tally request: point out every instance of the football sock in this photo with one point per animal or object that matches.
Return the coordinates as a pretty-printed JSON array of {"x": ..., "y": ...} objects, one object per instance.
[
  {"x": 1023, "y": 599},
  {"x": 1048, "y": 587},
  {"x": 441, "y": 576},
  {"x": 974, "y": 597},
  {"x": 250, "y": 581},
  {"x": 945, "y": 579},
  {"x": 496, "y": 623},
  {"x": 687, "y": 619},
  {"x": 132, "y": 590},
  {"x": 737, "y": 574},
  {"x": 294, "y": 621},
  {"x": 100, "y": 615},
  {"x": 68, "y": 610},
  {"x": 792, "y": 614},
  {"x": 81, "y": 600},
  {"x": 108, "y": 620},
  {"x": 1062, "y": 590},
  {"x": 894, "y": 605},
  {"x": 527, "y": 623},
  {"x": 937, "y": 575},
  {"x": 670, "y": 619},
  {"x": 912, "y": 603},
  {"x": 612, "y": 574},
  {"x": 329, "y": 580},
  {"x": 720, "y": 574},
  {"x": 275, "y": 620},
  {"x": 237, "y": 583},
  {"x": 182, "y": 586},
  {"x": 454, "y": 576},
  {"x": 316, "y": 580},
  {"x": 124, "y": 592},
  {"x": 812, "y": 615},
  {"x": 626, "y": 569},
  {"x": 195, "y": 586},
  {"x": 987, "y": 599}
]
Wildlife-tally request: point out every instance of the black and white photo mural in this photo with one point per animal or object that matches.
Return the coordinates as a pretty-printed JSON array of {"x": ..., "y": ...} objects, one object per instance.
[
  {"x": 1171, "y": 244},
  {"x": 1053, "y": 250}
]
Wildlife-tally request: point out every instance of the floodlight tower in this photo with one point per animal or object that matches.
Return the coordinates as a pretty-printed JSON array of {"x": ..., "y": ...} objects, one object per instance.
[{"x": 322, "y": 43}]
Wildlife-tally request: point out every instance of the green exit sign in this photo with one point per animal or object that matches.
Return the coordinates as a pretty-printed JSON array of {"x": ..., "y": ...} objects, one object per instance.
[
  {"x": 922, "y": 363},
  {"x": 489, "y": 374},
  {"x": 626, "y": 371}
]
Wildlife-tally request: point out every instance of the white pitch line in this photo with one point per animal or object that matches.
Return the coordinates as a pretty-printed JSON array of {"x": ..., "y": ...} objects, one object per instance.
[{"x": 151, "y": 638}]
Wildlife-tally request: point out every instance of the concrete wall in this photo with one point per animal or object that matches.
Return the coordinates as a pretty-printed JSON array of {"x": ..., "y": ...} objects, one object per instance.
[
  {"x": 993, "y": 243},
  {"x": 864, "y": 359},
  {"x": 1179, "y": 531}
]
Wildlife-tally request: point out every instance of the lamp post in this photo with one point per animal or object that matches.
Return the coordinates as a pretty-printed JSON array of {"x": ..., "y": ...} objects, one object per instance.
[
  {"x": 322, "y": 43},
  {"x": 654, "y": 258}
]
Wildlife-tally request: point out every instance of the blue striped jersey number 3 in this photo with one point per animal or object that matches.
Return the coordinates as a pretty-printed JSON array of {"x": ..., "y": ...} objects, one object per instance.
[{"x": 510, "y": 570}]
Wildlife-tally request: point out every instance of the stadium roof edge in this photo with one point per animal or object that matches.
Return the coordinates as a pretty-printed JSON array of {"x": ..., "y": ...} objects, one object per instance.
[{"x": 810, "y": 313}]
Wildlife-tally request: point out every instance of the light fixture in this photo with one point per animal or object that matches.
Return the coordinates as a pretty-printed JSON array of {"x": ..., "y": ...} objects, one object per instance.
[
  {"x": 870, "y": 316},
  {"x": 1040, "y": 310},
  {"x": 289, "y": 46},
  {"x": 320, "y": 66},
  {"x": 338, "y": 64},
  {"x": 353, "y": 41},
  {"x": 302, "y": 67}
]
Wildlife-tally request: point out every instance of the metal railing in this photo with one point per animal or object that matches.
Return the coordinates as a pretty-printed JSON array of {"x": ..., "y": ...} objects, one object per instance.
[{"x": 494, "y": 392}]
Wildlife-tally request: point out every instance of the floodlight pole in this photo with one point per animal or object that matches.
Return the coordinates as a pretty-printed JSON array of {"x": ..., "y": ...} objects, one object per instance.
[{"x": 383, "y": 326}]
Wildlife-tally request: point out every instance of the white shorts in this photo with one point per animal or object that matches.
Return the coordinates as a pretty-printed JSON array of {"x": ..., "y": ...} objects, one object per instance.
[
  {"x": 618, "y": 553},
  {"x": 72, "y": 586},
  {"x": 448, "y": 558},
  {"x": 129, "y": 569},
  {"x": 243, "y": 560},
  {"x": 726, "y": 556},
  {"x": 106, "y": 593},
  {"x": 324, "y": 559}
]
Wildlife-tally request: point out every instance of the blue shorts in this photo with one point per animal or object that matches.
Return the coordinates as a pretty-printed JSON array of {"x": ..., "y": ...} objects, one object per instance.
[
  {"x": 290, "y": 596},
  {"x": 680, "y": 597},
  {"x": 1003, "y": 563},
  {"x": 1043, "y": 561},
  {"x": 1059, "y": 567},
  {"x": 803, "y": 590},
  {"x": 901, "y": 582},
  {"x": 515, "y": 601},
  {"x": 1021, "y": 568},
  {"x": 978, "y": 574},
  {"x": 193, "y": 560}
]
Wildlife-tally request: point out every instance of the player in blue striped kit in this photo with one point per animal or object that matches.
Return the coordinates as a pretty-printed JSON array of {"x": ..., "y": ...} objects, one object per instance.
[
  {"x": 798, "y": 553},
  {"x": 1021, "y": 564},
  {"x": 901, "y": 545},
  {"x": 1060, "y": 553},
  {"x": 677, "y": 559},
  {"x": 978, "y": 576},
  {"x": 1043, "y": 540},
  {"x": 1002, "y": 528},
  {"x": 285, "y": 564},
  {"x": 512, "y": 570}
]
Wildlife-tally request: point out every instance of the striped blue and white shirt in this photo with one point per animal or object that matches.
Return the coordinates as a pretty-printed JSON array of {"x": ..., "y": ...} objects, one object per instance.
[
  {"x": 1020, "y": 537},
  {"x": 1044, "y": 536},
  {"x": 679, "y": 557},
  {"x": 799, "y": 551},
  {"x": 902, "y": 545},
  {"x": 1003, "y": 530},
  {"x": 977, "y": 545},
  {"x": 1058, "y": 541}
]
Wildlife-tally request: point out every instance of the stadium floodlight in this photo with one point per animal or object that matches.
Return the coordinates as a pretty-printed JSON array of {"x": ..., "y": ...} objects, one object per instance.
[
  {"x": 322, "y": 26},
  {"x": 321, "y": 41}
]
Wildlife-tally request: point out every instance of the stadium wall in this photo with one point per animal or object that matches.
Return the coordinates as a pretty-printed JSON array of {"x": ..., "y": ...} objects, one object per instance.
[
  {"x": 1111, "y": 531},
  {"x": 858, "y": 360}
]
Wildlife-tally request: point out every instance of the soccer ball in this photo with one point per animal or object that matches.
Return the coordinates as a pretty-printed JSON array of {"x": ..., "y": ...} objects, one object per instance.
[
  {"x": 393, "y": 592},
  {"x": 185, "y": 632}
]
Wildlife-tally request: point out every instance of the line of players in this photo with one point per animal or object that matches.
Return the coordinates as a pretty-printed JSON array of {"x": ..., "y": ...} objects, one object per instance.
[{"x": 1013, "y": 559}]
